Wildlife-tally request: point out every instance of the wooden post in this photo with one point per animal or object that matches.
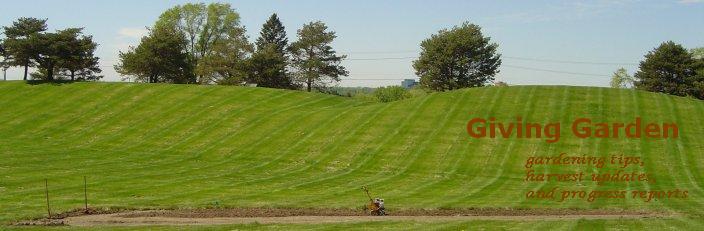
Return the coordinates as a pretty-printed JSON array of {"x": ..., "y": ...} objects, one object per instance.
[
  {"x": 85, "y": 192},
  {"x": 46, "y": 191}
]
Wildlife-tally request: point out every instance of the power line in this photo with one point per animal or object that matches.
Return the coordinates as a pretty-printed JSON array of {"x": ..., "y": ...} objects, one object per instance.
[
  {"x": 379, "y": 52},
  {"x": 553, "y": 71},
  {"x": 506, "y": 57},
  {"x": 506, "y": 65},
  {"x": 567, "y": 61},
  {"x": 511, "y": 57},
  {"x": 519, "y": 67},
  {"x": 382, "y": 79},
  {"x": 388, "y": 58}
]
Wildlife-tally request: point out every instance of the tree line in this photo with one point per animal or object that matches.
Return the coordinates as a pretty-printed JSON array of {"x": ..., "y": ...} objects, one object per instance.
[
  {"x": 205, "y": 44},
  {"x": 669, "y": 68},
  {"x": 197, "y": 43},
  {"x": 462, "y": 57},
  {"x": 61, "y": 55}
]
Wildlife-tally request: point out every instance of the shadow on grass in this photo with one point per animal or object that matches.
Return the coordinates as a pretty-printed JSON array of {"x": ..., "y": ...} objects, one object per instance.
[{"x": 52, "y": 82}]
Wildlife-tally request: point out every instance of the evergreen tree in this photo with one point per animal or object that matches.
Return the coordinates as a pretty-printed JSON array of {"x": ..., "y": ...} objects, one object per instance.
[
  {"x": 78, "y": 61},
  {"x": 267, "y": 67},
  {"x": 18, "y": 44},
  {"x": 5, "y": 63},
  {"x": 457, "y": 58},
  {"x": 313, "y": 58},
  {"x": 50, "y": 49},
  {"x": 670, "y": 69},
  {"x": 273, "y": 33}
]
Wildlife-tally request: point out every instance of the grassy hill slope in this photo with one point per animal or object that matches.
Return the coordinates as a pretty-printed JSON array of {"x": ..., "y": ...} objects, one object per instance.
[{"x": 149, "y": 145}]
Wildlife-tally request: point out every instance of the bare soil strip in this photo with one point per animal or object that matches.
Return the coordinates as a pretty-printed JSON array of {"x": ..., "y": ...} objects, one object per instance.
[{"x": 316, "y": 216}]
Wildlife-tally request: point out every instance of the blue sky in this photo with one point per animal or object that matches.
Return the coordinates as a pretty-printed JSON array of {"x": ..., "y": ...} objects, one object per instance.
[{"x": 543, "y": 42}]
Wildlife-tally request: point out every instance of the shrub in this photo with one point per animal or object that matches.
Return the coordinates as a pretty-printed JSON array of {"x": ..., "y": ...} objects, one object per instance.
[
  {"x": 500, "y": 84},
  {"x": 418, "y": 92},
  {"x": 390, "y": 94}
]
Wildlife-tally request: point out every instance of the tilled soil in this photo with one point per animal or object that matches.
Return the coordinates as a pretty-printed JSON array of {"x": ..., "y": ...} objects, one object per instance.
[
  {"x": 325, "y": 215},
  {"x": 289, "y": 212}
]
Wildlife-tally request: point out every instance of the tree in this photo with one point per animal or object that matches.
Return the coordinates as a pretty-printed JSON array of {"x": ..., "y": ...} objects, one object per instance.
[
  {"x": 48, "y": 49},
  {"x": 621, "y": 79},
  {"x": 697, "y": 53},
  {"x": 160, "y": 57},
  {"x": 5, "y": 63},
  {"x": 77, "y": 60},
  {"x": 457, "y": 58},
  {"x": 67, "y": 50},
  {"x": 273, "y": 33},
  {"x": 670, "y": 69},
  {"x": 267, "y": 66},
  {"x": 18, "y": 44},
  {"x": 313, "y": 58},
  {"x": 64, "y": 53},
  {"x": 227, "y": 62},
  {"x": 209, "y": 31}
]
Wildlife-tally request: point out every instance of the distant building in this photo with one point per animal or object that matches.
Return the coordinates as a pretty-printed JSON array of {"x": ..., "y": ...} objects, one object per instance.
[{"x": 409, "y": 83}]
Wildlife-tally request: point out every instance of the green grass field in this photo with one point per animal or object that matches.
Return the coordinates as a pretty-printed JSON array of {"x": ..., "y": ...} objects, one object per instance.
[{"x": 180, "y": 146}]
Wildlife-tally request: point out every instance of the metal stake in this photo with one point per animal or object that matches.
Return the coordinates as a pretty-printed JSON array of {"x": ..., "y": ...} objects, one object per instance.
[
  {"x": 85, "y": 192},
  {"x": 46, "y": 191}
]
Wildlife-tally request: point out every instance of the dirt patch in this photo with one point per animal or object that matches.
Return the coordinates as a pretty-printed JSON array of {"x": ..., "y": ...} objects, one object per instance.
[
  {"x": 108, "y": 220},
  {"x": 246, "y": 212},
  {"x": 325, "y": 215},
  {"x": 290, "y": 212},
  {"x": 42, "y": 222}
]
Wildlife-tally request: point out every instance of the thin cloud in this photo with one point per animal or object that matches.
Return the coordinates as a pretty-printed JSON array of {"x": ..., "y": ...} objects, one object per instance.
[
  {"x": 568, "y": 10},
  {"x": 690, "y": 1},
  {"x": 132, "y": 32}
]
